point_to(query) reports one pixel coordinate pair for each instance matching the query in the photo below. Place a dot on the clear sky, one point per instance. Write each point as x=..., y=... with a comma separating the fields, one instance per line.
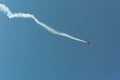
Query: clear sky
x=29, y=52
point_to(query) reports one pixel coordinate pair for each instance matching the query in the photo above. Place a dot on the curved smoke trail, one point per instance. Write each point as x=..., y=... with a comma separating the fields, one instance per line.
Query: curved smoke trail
x=9, y=13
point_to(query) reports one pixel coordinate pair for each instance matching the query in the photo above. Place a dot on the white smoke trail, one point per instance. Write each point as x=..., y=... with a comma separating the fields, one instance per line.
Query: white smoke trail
x=7, y=11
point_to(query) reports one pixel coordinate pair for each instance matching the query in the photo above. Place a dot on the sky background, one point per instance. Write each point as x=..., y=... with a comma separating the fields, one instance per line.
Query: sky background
x=29, y=52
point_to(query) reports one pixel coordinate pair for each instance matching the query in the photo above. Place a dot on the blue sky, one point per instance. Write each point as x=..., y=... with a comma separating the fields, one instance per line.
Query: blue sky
x=29, y=52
